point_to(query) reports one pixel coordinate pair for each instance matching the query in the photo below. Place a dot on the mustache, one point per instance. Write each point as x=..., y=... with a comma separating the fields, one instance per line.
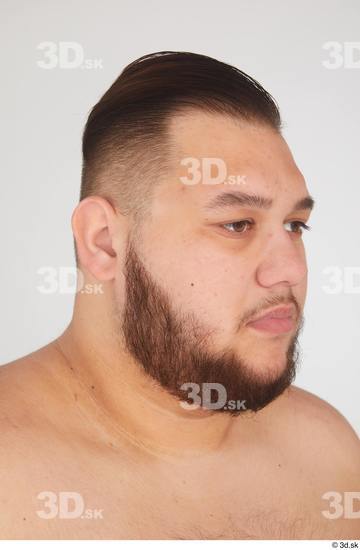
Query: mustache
x=269, y=302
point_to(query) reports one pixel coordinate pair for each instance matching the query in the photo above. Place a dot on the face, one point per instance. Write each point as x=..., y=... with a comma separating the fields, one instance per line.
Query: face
x=209, y=259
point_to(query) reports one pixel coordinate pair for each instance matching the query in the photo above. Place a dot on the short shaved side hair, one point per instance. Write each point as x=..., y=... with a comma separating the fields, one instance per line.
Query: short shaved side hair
x=126, y=142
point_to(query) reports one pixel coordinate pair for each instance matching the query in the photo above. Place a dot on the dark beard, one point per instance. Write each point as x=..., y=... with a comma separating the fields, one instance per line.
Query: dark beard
x=173, y=348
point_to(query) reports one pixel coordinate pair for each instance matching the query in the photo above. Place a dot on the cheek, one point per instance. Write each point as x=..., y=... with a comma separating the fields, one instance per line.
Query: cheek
x=120, y=290
x=213, y=288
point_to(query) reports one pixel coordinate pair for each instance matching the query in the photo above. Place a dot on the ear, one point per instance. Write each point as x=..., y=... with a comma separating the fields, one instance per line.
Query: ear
x=94, y=227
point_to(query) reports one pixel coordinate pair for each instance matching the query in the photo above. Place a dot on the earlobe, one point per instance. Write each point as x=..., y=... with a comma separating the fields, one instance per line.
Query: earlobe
x=93, y=224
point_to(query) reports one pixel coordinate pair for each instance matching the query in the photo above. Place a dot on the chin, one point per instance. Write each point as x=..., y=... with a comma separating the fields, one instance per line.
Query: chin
x=261, y=366
x=265, y=354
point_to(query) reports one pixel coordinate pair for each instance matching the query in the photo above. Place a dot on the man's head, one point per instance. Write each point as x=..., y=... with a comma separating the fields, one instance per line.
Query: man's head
x=127, y=145
x=192, y=208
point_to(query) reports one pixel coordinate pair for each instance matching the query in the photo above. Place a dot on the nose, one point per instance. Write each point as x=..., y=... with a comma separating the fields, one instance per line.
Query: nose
x=282, y=260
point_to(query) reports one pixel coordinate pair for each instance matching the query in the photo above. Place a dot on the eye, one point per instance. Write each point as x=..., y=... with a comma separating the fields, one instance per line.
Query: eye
x=299, y=226
x=244, y=226
x=238, y=226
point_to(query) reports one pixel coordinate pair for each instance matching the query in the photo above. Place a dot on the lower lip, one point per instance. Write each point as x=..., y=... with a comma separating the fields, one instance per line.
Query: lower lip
x=273, y=325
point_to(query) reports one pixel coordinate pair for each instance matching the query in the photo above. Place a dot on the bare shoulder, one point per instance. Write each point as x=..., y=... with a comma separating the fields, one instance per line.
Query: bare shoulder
x=33, y=399
x=23, y=382
x=316, y=413
x=23, y=418
x=35, y=439
x=319, y=457
x=322, y=429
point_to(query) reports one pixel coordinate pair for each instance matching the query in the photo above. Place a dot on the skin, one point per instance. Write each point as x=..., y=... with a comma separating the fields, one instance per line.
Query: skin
x=81, y=415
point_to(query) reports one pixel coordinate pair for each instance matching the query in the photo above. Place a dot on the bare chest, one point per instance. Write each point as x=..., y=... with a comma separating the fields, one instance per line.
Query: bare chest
x=176, y=505
x=89, y=495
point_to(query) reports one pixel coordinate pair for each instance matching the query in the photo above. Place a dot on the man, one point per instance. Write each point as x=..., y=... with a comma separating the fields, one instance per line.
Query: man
x=166, y=409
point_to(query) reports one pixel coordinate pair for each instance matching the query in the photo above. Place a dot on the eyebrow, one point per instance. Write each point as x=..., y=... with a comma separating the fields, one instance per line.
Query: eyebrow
x=239, y=198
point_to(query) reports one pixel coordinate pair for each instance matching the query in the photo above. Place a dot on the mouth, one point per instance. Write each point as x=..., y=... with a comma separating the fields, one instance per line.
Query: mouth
x=276, y=321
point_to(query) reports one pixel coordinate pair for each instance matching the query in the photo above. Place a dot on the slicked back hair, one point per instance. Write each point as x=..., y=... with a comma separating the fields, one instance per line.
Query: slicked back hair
x=126, y=143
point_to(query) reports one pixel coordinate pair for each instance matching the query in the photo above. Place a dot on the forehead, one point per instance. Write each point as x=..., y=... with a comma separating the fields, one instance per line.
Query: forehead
x=257, y=155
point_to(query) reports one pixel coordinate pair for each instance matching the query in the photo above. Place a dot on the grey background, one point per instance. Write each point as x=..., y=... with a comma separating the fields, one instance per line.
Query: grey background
x=43, y=111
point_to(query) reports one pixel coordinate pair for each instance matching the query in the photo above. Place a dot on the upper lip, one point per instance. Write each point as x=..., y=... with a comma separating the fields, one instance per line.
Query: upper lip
x=280, y=312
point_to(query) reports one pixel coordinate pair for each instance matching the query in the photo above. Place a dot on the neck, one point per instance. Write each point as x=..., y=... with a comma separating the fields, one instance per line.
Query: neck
x=129, y=404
